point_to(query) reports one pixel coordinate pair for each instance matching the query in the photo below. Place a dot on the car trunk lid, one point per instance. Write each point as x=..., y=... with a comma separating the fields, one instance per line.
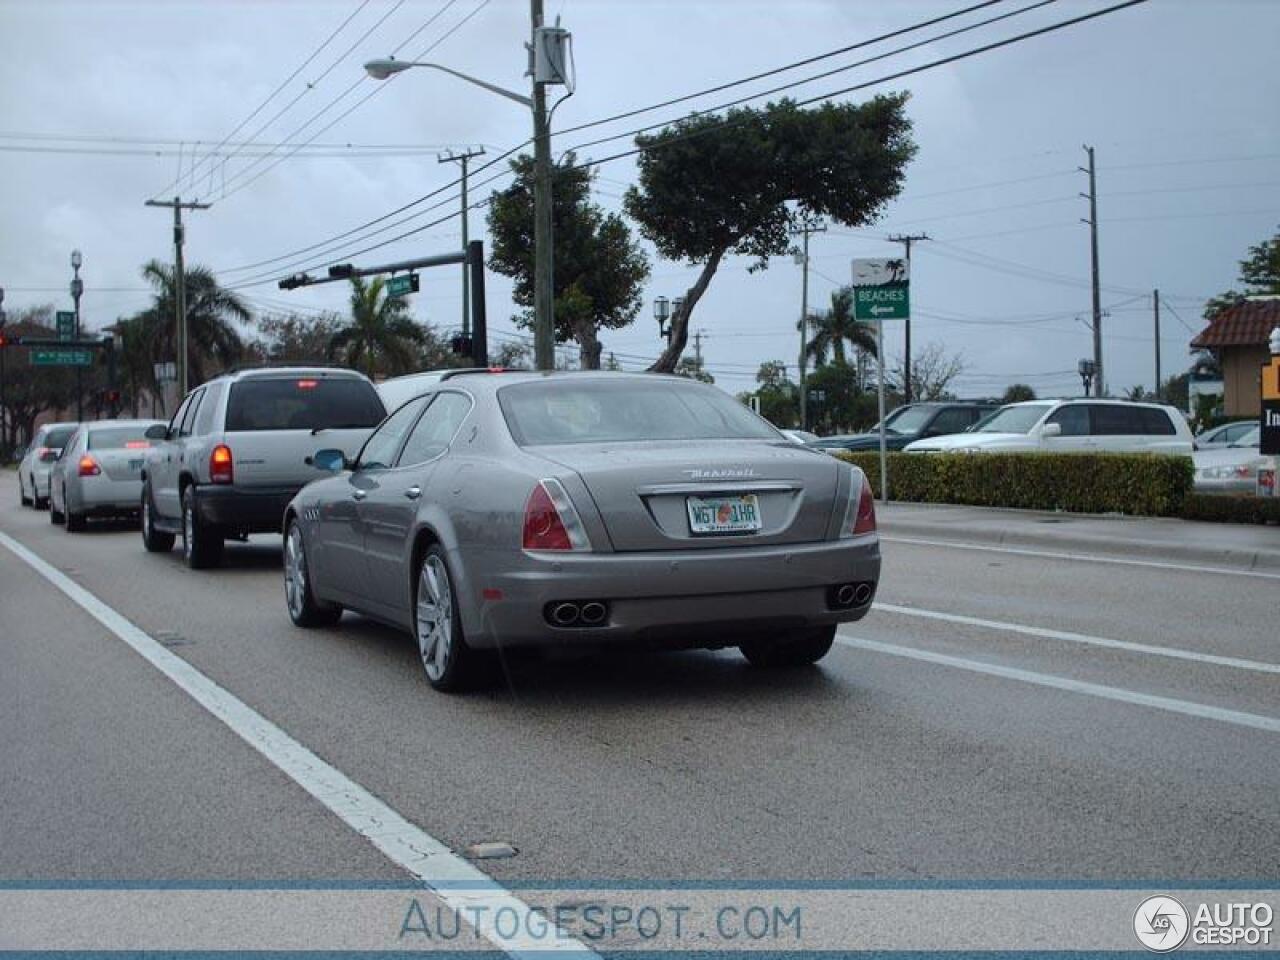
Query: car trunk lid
x=650, y=494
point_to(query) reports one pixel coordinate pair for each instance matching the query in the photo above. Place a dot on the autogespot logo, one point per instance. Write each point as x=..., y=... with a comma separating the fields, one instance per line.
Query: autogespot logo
x=1161, y=923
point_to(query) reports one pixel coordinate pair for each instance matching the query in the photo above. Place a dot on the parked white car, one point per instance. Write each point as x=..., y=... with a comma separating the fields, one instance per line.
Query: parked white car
x=1072, y=426
x=1225, y=434
x=1230, y=469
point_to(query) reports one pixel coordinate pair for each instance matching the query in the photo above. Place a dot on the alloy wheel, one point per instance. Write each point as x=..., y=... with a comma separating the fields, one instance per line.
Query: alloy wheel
x=434, y=621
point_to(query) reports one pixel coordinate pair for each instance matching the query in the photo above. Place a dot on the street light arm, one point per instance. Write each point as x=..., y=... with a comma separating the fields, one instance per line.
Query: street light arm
x=378, y=70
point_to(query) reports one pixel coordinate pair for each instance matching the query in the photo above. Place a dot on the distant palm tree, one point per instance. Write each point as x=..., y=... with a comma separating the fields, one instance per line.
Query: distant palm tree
x=382, y=337
x=833, y=328
x=212, y=312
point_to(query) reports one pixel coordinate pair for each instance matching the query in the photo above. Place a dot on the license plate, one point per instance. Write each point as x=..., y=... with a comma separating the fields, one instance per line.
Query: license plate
x=740, y=514
x=135, y=464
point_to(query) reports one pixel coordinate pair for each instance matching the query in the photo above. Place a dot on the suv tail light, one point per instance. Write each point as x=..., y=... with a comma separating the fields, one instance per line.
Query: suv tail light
x=220, y=468
x=551, y=521
x=860, y=514
x=88, y=467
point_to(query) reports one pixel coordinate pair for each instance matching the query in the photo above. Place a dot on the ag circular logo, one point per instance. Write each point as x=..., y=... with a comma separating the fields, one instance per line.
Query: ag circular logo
x=1161, y=923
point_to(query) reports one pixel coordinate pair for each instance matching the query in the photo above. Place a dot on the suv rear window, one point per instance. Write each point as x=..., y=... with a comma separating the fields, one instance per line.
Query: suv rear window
x=1156, y=422
x=303, y=403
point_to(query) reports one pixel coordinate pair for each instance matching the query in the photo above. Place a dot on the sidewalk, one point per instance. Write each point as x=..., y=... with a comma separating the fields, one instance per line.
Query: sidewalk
x=1238, y=546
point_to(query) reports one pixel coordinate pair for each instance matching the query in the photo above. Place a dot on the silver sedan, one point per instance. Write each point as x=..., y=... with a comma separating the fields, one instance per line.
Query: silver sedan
x=499, y=510
x=99, y=472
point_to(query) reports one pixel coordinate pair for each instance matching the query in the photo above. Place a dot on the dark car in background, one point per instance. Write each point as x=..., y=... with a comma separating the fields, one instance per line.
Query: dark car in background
x=915, y=421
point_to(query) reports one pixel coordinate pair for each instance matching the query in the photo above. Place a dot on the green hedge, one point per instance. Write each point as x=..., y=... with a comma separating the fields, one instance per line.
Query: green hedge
x=1139, y=484
x=1228, y=509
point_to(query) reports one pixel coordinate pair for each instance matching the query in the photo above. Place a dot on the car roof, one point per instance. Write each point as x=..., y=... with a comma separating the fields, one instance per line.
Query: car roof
x=131, y=422
x=291, y=370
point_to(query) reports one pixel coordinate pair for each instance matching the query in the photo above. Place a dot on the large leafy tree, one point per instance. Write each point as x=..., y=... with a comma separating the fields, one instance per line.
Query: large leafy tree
x=836, y=401
x=212, y=315
x=599, y=268
x=778, y=395
x=295, y=337
x=381, y=337
x=714, y=186
x=833, y=328
x=1259, y=272
x=30, y=391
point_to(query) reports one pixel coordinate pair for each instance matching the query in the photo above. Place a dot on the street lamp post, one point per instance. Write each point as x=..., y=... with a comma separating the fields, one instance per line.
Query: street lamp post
x=77, y=289
x=663, y=310
x=543, y=284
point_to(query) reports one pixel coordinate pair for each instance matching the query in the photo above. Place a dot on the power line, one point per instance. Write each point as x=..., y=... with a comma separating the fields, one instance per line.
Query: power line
x=274, y=93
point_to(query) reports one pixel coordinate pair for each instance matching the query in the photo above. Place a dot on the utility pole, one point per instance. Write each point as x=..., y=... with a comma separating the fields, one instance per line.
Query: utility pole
x=462, y=158
x=544, y=336
x=805, y=229
x=906, y=239
x=180, y=281
x=1155, y=300
x=1092, y=197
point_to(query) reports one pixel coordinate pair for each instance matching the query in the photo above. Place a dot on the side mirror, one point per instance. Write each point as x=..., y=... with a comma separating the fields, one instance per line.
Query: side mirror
x=1050, y=430
x=330, y=460
x=157, y=431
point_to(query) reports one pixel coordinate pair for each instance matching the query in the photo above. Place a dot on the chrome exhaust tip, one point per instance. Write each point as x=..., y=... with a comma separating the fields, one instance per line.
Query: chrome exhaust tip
x=845, y=595
x=594, y=613
x=862, y=594
x=565, y=614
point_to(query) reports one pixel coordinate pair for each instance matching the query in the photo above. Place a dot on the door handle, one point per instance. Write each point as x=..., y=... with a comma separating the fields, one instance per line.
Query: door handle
x=414, y=492
x=358, y=494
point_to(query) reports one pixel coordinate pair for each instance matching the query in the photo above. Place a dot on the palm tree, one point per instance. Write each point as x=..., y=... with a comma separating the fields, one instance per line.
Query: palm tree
x=836, y=326
x=213, y=342
x=381, y=337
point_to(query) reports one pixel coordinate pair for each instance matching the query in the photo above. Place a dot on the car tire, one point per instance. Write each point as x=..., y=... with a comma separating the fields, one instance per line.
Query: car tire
x=55, y=516
x=201, y=544
x=449, y=664
x=22, y=493
x=74, y=521
x=36, y=500
x=799, y=649
x=155, y=541
x=304, y=609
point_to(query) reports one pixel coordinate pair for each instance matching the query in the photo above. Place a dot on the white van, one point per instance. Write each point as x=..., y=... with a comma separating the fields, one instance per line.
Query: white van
x=1072, y=426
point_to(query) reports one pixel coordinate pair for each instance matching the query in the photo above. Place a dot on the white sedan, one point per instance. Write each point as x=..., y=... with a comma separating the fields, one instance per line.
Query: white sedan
x=1230, y=469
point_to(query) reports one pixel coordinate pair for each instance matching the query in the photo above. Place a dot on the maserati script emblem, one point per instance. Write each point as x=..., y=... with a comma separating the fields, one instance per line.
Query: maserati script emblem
x=723, y=473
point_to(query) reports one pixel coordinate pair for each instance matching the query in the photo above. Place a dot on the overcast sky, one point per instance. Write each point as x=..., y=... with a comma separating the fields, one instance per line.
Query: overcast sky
x=1179, y=97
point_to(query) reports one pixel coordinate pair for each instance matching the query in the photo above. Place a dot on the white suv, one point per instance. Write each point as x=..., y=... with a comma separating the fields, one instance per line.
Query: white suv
x=1071, y=426
x=239, y=448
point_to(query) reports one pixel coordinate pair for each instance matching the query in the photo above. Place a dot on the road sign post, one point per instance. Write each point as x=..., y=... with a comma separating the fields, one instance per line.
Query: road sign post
x=881, y=291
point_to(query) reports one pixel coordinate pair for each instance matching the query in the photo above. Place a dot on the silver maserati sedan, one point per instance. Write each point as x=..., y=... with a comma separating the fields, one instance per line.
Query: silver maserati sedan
x=506, y=509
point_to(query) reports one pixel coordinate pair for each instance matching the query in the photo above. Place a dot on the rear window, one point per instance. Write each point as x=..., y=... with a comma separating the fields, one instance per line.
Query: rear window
x=1156, y=422
x=58, y=437
x=118, y=438
x=303, y=403
x=600, y=411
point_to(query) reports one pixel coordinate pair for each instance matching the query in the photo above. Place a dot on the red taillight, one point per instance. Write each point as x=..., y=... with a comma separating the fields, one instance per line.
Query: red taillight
x=866, y=522
x=308, y=384
x=543, y=528
x=88, y=467
x=220, y=469
x=137, y=445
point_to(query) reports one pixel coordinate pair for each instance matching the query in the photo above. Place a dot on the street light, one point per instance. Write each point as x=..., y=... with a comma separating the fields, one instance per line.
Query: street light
x=547, y=61
x=77, y=288
x=662, y=311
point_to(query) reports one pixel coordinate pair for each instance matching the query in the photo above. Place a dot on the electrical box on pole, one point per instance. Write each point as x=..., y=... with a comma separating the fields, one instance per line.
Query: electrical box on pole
x=553, y=56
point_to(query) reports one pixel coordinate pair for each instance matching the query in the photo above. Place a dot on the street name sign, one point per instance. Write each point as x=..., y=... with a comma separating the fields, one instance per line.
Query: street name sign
x=61, y=358
x=401, y=285
x=881, y=289
x=66, y=321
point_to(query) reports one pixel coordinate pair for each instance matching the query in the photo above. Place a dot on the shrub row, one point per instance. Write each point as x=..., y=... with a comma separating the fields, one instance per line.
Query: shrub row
x=1225, y=509
x=1137, y=484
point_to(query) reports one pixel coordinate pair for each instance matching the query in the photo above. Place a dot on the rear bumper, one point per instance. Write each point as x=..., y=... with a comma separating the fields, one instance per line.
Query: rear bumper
x=255, y=510
x=671, y=598
x=104, y=495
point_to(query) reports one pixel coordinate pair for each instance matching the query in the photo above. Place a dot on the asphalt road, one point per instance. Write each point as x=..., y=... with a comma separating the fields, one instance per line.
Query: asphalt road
x=1003, y=716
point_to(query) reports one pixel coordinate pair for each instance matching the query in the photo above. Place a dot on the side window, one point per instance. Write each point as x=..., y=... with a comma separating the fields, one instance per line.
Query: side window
x=1155, y=423
x=189, y=417
x=951, y=420
x=1074, y=420
x=380, y=449
x=208, y=409
x=1236, y=433
x=432, y=434
x=180, y=413
x=1112, y=419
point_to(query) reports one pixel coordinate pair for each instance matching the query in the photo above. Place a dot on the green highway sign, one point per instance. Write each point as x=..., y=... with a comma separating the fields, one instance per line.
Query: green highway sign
x=61, y=358
x=881, y=289
x=401, y=285
x=66, y=321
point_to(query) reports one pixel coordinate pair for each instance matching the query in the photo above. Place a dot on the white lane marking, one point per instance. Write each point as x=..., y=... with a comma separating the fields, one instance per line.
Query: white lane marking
x=1083, y=557
x=1176, y=653
x=455, y=881
x=1185, y=707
